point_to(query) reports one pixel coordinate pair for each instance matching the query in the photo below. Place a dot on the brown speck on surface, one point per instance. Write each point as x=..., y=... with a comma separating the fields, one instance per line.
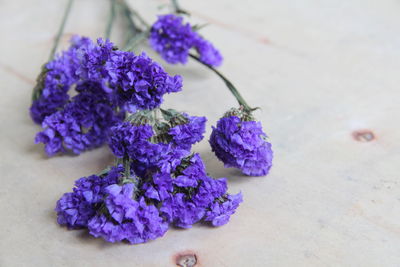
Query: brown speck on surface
x=186, y=259
x=363, y=135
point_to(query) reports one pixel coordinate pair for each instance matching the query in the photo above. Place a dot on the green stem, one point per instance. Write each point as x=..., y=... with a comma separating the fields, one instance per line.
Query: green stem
x=131, y=12
x=177, y=8
x=138, y=34
x=61, y=29
x=127, y=168
x=228, y=83
x=110, y=19
x=175, y=5
x=136, y=39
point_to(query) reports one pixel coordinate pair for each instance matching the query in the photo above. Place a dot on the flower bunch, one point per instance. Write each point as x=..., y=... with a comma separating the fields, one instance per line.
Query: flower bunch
x=107, y=81
x=157, y=181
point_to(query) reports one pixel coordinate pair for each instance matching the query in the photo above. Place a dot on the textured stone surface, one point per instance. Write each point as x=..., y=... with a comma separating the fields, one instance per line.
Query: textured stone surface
x=326, y=75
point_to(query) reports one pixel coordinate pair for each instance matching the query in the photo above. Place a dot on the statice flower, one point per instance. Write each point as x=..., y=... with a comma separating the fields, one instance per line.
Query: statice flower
x=220, y=211
x=135, y=142
x=117, y=206
x=189, y=132
x=208, y=53
x=159, y=146
x=194, y=194
x=75, y=209
x=82, y=124
x=136, y=81
x=56, y=78
x=242, y=144
x=127, y=219
x=173, y=40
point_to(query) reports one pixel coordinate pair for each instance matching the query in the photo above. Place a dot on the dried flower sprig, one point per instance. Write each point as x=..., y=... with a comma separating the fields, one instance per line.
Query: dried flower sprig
x=156, y=180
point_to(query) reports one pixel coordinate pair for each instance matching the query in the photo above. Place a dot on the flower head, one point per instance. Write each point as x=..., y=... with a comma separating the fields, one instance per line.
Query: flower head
x=220, y=211
x=241, y=144
x=140, y=82
x=127, y=218
x=56, y=78
x=82, y=124
x=107, y=81
x=208, y=53
x=173, y=40
x=76, y=208
x=193, y=193
x=156, y=145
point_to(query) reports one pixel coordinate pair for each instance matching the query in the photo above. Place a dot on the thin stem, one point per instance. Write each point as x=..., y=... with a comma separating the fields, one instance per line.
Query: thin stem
x=61, y=29
x=135, y=40
x=110, y=19
x=134, y=12
x=175, y=5
x=127, y=168
x=177, y=8
x=228, y=83
x=138, y=34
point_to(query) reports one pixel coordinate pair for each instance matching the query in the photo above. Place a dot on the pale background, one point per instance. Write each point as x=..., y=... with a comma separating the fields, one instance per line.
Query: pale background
x=320, y=71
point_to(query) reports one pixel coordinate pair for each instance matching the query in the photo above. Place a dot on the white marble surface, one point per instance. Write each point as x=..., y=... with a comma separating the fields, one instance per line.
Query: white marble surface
x=320, y=70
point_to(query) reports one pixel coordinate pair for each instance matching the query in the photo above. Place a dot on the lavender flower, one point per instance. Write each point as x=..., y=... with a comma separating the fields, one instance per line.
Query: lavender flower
x=173, y=39
x=241, y=144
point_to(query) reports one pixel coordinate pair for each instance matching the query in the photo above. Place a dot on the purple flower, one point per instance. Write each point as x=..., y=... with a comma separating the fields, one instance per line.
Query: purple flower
x=173, y=39
x=186, y=134
x=241, y=144
x=132, y=220
x=159, y=147
x=136, y=82
x=140, y=208
x=82, y=124
x=56, y=79
x=193, y=193
x=73, y=211
x=76, y=208
x=181, y=211
x=220, y=211
x=208, y=53
x=139, y=81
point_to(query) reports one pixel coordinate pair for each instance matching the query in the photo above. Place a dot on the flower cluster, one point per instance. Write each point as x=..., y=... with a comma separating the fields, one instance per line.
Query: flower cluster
x=82, y=124
x=157, y=181
x=239, y=142
x=173, y=39
x=121, y=205
x=108, y=81
x=155, y=144
x=56, y=78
